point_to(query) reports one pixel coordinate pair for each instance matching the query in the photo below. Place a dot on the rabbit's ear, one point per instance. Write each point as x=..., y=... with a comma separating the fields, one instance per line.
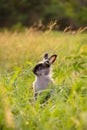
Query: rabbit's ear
x=46, y=56
x=52, y=59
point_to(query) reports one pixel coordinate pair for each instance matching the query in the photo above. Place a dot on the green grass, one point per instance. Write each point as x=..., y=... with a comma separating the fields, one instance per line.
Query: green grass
x=67, y=109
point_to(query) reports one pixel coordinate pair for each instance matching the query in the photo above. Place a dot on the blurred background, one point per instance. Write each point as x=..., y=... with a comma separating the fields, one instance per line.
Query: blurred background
x=26, y=13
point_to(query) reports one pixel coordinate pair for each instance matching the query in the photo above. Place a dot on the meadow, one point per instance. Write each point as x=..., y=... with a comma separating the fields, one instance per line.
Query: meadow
x=19, y=52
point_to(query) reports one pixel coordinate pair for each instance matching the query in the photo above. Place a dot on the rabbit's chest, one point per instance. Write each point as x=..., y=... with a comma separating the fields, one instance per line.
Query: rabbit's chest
x=41, y=84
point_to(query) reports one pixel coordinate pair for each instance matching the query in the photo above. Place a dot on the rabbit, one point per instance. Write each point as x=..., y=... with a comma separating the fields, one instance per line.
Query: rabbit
x=42, y=72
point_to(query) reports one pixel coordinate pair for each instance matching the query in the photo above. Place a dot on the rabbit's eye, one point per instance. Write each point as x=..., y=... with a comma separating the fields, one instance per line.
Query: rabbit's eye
x=47, y=64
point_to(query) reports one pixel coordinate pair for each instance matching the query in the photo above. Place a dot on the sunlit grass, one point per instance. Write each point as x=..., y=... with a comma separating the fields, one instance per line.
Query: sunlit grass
x=16, y=48
x=7, y=114
x=67, y=109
